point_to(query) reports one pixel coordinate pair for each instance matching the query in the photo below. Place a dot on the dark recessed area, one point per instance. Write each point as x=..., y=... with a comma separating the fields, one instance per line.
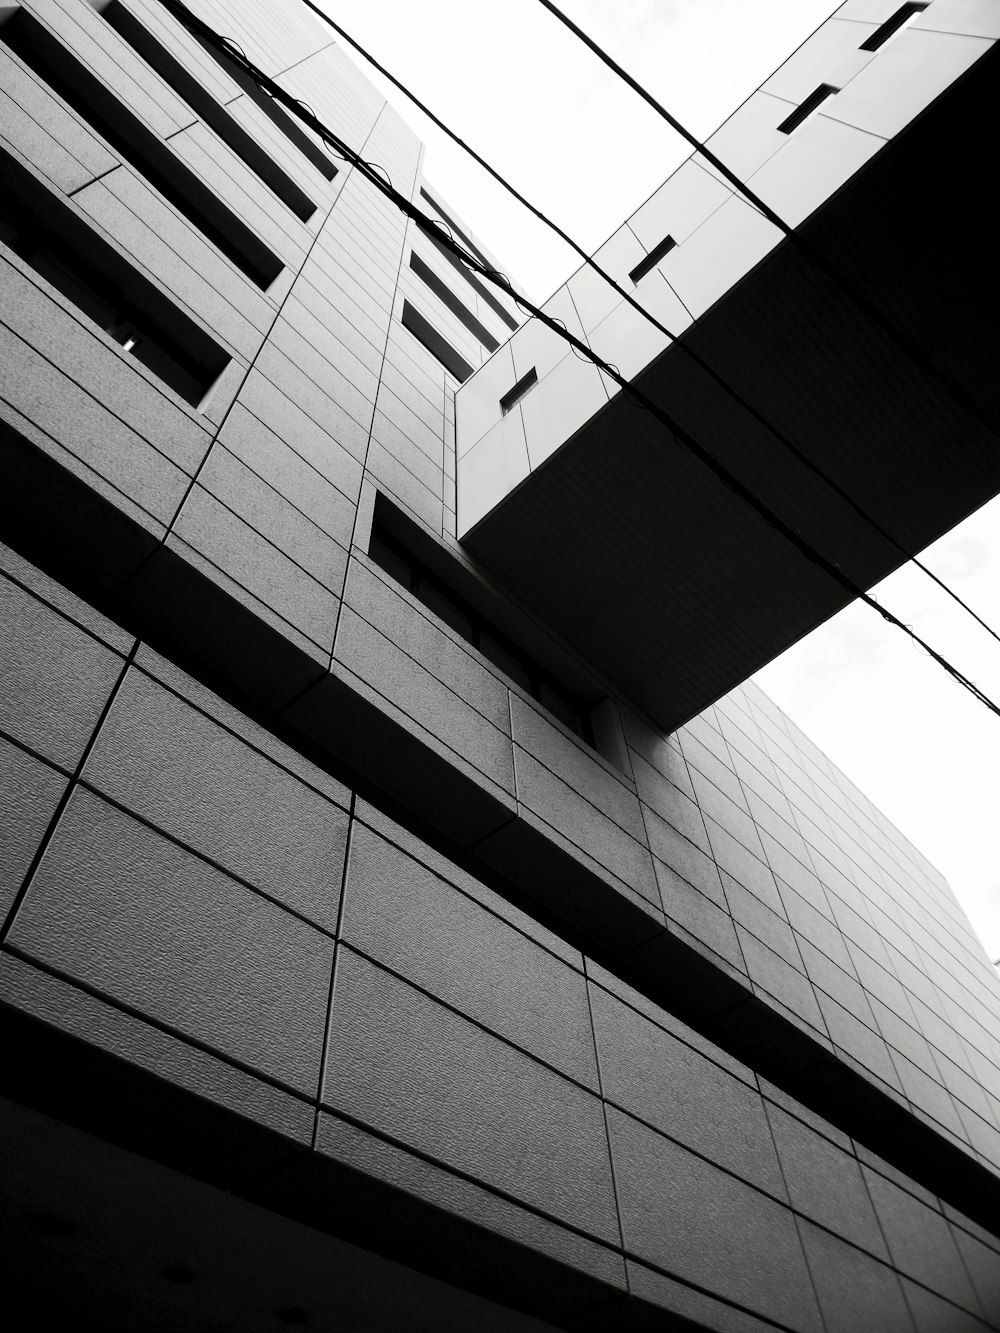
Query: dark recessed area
x=892, y=25
x=439, y=347
x=806, y=108
x=652, y=259
x=513, y=396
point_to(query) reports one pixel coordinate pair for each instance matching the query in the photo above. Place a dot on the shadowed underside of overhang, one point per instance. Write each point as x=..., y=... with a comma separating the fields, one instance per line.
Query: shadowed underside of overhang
x=675, y=589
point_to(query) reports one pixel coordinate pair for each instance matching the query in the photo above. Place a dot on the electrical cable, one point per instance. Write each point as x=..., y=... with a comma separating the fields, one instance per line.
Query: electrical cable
x=776, y=220
x=680, y=435
x=684, y=346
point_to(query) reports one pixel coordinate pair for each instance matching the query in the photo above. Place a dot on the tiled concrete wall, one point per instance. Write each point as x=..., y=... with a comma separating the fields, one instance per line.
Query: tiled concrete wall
x=190, y=893
x=210, y=888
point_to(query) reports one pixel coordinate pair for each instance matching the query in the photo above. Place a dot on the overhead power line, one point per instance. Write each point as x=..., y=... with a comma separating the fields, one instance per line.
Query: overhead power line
x=377, y=176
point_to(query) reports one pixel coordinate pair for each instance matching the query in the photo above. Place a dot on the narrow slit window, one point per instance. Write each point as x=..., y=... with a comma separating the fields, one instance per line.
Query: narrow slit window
x=98, y=281
x=310, y=151
x=425, y=332
x=904, y=15
x=806, y=109
x=134, y=143
x=448, y=298
x=513, y=396
x=652, y=259
x=473, y=281
x=203, y=104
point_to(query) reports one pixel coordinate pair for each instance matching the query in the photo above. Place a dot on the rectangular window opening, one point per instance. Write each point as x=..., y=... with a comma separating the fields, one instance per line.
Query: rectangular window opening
x=153, y=159
x=513, y=396
x=806, y=109
x=652, y=259
x=405, y=568
x=276, y=114
x=904, y=15
x=442, y=350
x=448, y=298
x=94, y=277
x=203, y=104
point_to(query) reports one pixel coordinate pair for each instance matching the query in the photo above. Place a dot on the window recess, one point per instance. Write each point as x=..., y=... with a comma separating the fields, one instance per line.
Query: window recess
x=448, y=298
x=473, y=281
x=513, y=396
x=470, y=245
x=135, y=144
x=904, y=15
x=94, y=277
x=389, y=553
x=442, y=350
x=270, y=108
x=652, y=259
x=806, y=108
x=203, y=104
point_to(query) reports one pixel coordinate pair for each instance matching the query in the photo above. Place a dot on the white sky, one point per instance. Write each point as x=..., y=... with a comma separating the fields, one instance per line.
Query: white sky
x=529, y=97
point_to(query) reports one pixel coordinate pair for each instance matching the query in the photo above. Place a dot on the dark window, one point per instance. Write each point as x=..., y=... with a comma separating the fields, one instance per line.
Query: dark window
x=513, y=396
x=471, y=625
x=806, y=109
x=653, y=258
x=892, y=25
x=203, y=104
x=100, y=282
x=448, y=298
x=439, y=347
x=270, y=108
x=133, y=142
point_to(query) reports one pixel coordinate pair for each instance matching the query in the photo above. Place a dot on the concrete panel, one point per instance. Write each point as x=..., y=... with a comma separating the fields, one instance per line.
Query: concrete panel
x=274, y=462
x=29, y=794
x=577, y=764
x=651, y=1074
x=404, y=621
x=119, y=908
x=218, y=795
x=854, y=1290
x=332, y=448
x=54, y=677
x=686, y=1216
x=416, y=923
x=825, y=1183
x=584, y=825
x=920, y=1241
x=38, y=128
x=277, y=520
x=260, y=567
x=179, y=1064
x=429, y=701
x=490, y=469
x=97, y=440
x=432, y=1080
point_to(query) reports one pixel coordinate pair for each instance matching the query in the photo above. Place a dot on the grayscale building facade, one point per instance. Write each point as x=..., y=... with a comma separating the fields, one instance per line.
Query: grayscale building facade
x=387, y=941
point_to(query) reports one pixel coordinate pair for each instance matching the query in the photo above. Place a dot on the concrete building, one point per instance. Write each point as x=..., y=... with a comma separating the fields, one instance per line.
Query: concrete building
x=412, y=916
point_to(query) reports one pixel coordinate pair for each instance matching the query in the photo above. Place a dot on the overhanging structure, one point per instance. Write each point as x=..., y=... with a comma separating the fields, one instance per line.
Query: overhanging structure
x=665, y=580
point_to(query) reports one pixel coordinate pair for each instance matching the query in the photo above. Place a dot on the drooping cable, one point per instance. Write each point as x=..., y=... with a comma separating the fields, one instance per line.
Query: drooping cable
x=592, y=263
x=635, y=396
